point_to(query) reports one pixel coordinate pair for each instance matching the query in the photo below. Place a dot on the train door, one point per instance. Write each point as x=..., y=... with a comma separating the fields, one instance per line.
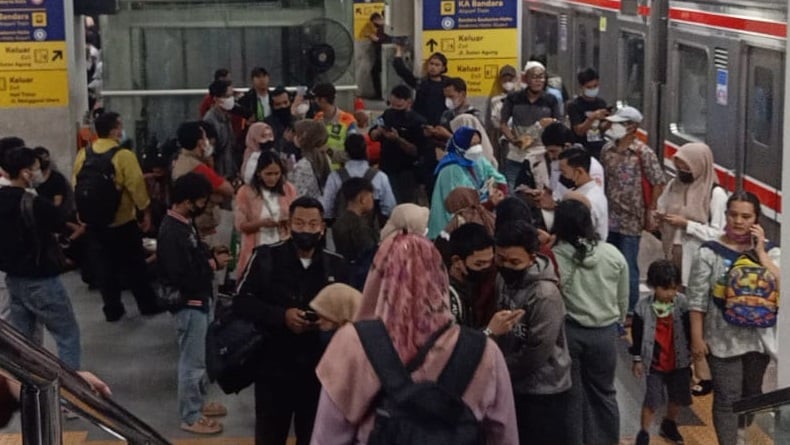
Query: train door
x=545, y=39
x=763, y=131
x=631, y=83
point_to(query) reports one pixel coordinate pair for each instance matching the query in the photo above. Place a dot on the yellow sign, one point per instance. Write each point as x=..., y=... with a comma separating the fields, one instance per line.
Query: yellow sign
x=39, y=18
x=362, y=13
x=475, y=55
x=33, y=74
x=448, y=7
x=33, y=88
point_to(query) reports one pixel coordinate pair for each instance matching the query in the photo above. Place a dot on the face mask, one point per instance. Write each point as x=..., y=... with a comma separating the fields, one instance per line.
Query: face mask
x=476, y=276
x=474, y=153
x=268, y=145
x=567, y=182
x=208, y=150
x=450, y=104
x=283, y=115
x=745, y=238
x=511, y=276
x=44, y=165
x=197, y=210
x=509, y=86
x=227, y=103
x=36, y=179
x=591, y=92
x=306, y=240
x=302, y=109
x=616, y=132
x=662, y=309
x=685, y=177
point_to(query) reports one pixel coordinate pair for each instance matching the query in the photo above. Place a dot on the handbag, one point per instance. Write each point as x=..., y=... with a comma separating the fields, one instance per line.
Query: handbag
x=232, y=345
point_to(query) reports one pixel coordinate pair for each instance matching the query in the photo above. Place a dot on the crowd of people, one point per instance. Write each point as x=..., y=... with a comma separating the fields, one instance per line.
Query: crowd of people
x=524, y=265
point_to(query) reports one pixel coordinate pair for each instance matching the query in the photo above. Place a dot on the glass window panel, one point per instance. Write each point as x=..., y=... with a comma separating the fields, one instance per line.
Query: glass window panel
x=546, y=38
x=693, y=91
x=596, y=55
x=581, y=38
x=634, y=47
x=761, y=111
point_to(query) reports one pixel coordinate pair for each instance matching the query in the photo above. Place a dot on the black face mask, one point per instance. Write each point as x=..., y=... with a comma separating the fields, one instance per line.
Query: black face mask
x=283, y=115
x=268, y=145
x=685, y=177
x=306, y=240
x=568, y=183
x=476, y=276
x=511, y=276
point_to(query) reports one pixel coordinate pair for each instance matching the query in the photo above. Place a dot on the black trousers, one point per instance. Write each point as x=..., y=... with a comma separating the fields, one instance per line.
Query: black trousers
x=280, y=399
x=542, y=419
x=122, y=260
x=375, y=72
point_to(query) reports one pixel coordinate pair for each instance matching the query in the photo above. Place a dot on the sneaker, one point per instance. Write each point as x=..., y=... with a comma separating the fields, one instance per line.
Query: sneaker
x=669, y=431
x=702, y=388
x=643, y=438
x=203, y=426
x=214, y=409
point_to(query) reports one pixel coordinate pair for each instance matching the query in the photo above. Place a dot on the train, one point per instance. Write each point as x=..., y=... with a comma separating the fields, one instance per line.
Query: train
x=707, y=71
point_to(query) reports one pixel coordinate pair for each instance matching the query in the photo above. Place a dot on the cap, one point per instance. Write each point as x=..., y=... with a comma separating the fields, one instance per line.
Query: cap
x=626, y=114
x=533, y=64
x=507, y=70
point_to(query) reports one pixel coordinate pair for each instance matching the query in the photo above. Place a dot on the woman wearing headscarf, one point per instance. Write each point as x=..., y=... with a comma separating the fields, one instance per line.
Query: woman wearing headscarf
x=691, y=209
x=468, y=120
x=336, y=305
x=260, y=136
x=407, y=290
x=311, y=172
x=409, y=218
x=462, y=166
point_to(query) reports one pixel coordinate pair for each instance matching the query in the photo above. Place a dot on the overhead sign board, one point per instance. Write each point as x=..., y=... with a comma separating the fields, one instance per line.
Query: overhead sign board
x=33, y=70
x=478, y=37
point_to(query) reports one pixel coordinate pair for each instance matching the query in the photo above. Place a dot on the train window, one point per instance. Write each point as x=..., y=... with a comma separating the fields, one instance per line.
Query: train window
x=582, y=46
x=596, y=40
x=634, y=75
x=761, y=111
x=692, y=91
x=545, y=39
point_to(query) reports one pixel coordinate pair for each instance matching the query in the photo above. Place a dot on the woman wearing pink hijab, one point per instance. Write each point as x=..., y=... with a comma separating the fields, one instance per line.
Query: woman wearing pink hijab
x=260, y=136
x=407, y=289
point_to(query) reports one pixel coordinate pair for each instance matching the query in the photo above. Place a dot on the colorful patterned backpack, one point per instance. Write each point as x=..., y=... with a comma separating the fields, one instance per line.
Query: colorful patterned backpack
x=747, y=293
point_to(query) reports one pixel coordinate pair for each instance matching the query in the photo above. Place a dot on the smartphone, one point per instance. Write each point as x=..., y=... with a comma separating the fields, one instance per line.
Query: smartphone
x=301, y=90
x=311, y=316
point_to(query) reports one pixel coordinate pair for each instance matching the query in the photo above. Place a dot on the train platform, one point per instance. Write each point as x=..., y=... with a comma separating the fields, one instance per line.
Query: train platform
x=137, y=357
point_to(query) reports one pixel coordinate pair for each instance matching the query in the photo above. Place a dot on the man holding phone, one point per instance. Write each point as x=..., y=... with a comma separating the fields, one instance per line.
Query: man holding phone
x=274, y=293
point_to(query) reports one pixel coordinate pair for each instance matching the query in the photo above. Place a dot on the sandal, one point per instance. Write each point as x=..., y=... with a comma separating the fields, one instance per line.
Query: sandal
x=214, y=409
x=203, y=426
x=702, y=388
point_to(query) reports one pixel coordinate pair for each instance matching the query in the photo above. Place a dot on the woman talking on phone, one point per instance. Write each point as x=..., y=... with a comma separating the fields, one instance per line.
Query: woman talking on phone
x=732, y=323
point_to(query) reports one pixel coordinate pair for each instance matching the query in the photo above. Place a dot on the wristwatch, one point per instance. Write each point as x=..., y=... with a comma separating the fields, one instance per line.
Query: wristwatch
x=488, y=332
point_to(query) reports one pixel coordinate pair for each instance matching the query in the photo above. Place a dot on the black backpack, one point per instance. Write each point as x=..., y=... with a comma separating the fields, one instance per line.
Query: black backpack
x=409, y=412
x=95, y=193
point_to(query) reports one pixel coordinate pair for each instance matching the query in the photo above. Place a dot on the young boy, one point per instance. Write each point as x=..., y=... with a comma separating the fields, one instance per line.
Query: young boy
x=353, y=232
x=661, y=350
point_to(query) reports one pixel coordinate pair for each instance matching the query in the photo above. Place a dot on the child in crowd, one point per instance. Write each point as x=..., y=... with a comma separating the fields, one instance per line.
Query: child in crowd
x=661, y=350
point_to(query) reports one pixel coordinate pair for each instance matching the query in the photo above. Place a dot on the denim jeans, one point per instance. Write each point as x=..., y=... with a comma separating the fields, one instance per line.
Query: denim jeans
x=192, y=326
x=45, y=300
x=629, y=246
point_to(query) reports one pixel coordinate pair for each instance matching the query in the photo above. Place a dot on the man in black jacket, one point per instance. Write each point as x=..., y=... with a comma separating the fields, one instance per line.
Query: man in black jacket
x=186, y=265
x=279, y=283
x=257, y=102
x=31, y=258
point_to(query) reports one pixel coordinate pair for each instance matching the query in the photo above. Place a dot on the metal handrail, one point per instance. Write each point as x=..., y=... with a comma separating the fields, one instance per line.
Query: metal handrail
x=762, y=402
x=47, y=384
x=193, y=92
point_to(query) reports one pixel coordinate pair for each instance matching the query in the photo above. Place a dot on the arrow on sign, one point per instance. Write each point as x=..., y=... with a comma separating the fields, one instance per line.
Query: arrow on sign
x=58, y=54
x=431, y=44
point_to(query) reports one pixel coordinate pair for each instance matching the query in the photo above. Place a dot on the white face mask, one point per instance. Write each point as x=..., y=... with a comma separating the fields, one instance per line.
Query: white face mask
x=302, y=109
x=616, y=132
x=208, y=150
x=509, y=86
x=592, y=92
x=37, y=178
x=450, y=104
x=227, y=103
x=474, y=153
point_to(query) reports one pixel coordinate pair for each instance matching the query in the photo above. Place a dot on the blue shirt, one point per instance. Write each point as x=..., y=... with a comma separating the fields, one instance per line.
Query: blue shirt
x=382, y=190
